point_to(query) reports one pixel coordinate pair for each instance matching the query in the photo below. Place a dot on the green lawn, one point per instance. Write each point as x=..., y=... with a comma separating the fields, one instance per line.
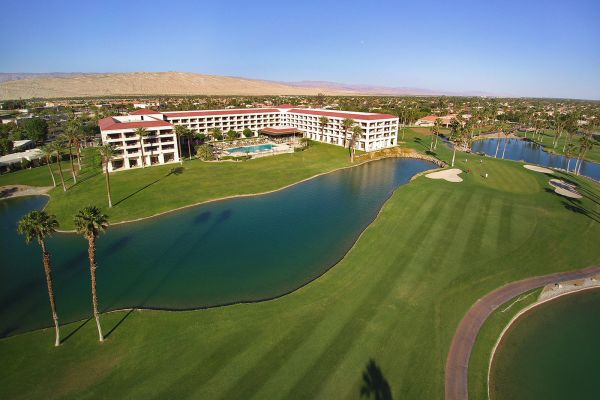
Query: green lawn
x=396, y=298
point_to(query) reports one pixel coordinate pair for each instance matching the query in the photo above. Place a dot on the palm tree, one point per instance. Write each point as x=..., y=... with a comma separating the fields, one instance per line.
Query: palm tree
x=107, y=152
x=69, y=139
x=74, y=135
x=455, y=136
x=189, y=134
x=179, y=132
x=59, y=149
x=356, y=133
x=37, y=225
x=499, y=128
x=216, y=133
x=585, y=144
x=323, y=122
x=507, y=132
x=48, y=152
x=347, y=124
x=436, y=130
x=89, y=222
x=141, y=133
x=569, y=153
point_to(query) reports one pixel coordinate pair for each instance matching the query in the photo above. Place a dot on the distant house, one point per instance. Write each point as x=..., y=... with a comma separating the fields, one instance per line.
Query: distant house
x=21, y=145
x=17, y=158
x=430, y=120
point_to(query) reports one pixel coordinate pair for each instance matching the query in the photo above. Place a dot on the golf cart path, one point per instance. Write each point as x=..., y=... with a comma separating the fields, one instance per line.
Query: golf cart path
x=457, y=363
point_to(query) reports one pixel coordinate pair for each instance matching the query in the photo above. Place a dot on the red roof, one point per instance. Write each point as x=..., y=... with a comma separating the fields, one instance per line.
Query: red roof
x=110, y=123
x=431, y=118
x=144, y=111
x=342, y=114
x=203, y=113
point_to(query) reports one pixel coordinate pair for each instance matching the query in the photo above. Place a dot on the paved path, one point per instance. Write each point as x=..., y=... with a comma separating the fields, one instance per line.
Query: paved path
x=457, y=362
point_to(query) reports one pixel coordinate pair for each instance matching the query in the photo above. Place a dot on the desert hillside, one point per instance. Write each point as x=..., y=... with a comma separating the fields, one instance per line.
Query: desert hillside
x=148, y=83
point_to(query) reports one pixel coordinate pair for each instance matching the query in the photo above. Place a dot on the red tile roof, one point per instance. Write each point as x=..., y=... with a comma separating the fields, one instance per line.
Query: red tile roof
x=144, y=111
x=203, y=113
x=342, y=114
x=110, y=123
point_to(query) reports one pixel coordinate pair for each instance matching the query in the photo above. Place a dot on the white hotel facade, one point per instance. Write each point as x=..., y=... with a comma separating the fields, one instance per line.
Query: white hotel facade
x=160, y=145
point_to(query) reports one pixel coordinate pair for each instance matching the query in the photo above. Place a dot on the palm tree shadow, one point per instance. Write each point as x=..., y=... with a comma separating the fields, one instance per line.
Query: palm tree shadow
x=119, y=323
x=74, y=331
x=137, y=191
x=374, y=383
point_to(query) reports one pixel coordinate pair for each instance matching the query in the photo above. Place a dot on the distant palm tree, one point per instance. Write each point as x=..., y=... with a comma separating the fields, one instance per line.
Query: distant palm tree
x=179, y=132
x=347, y=124
x=585, y=144
x=37, y=225
x=48, y=152
x=107, y=152
x=436, y=130
x=499, y=127
x=569, y=153
x=74, y=133
x=456, y=136
x=506, y=132
x=59, y=149
x=68, y=139
x=141, y=133
x=323, y=122
x=189, y=134
x=89, y=222
x=356, y=133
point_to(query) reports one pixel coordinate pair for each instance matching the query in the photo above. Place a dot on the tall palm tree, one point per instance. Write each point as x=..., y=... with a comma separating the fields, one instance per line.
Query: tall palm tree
x=179, y=132
x=356, y=133
x=48, y=152
x=37, y=225
x=189, y=134
x=107, y=152
x=436, y=130
x=585, y=144
x=89, y=222
x=74, y=135
x=499, y=128
x=507, y=132
x=68, y=139
x=323, y=122
x=59, y=149
x=455, y=136
x=141, y=133
x=347, y=124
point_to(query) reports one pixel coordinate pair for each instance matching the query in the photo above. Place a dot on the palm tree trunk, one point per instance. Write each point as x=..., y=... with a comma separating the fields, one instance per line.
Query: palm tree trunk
x=142, y=149
x=436, y=139
x=108, y=186
x=189, y=141
x=50, y=169
x=79, y=155
x=72, y=166
x=568, y=163
x=179, y=146
x=92, y=256
x=504, y=149
x=497, y=147
x=62, y=179
x=48, y=271
x=453, y=155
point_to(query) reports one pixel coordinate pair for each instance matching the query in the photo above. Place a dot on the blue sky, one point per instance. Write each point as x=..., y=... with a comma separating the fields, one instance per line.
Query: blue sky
x=524, y=48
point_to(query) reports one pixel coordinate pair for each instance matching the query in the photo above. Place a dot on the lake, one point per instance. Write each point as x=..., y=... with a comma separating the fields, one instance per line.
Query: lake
x=236, y=250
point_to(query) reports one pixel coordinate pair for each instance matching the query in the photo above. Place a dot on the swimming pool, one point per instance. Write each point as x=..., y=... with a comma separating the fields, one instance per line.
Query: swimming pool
x=252, y=149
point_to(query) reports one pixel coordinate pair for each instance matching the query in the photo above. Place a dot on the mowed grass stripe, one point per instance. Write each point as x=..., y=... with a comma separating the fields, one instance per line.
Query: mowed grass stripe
x=388, y=317
x=321, y=335
x=355, y=324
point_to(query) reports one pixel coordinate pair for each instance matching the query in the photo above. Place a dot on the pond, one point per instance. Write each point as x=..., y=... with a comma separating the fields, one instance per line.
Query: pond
x=522, y=150
x=236, y=250
x=551, y=352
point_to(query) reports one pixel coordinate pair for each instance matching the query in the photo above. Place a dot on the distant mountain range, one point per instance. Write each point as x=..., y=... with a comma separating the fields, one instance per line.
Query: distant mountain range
x=74, y=84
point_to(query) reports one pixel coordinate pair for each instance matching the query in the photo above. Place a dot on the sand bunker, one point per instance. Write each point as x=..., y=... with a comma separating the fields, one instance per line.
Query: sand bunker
x=564, y=189
x=538, y=169
x=450, y=175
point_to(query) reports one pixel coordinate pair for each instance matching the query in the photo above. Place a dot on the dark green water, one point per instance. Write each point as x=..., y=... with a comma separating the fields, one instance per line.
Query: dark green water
x=230, y=251
x=552, y=352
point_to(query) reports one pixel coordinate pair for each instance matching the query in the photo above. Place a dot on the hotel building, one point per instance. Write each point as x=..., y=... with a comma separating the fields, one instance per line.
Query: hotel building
x=160, y=146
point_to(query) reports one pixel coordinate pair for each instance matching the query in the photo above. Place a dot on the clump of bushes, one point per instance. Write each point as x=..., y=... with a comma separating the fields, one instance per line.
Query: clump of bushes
x=205, y=152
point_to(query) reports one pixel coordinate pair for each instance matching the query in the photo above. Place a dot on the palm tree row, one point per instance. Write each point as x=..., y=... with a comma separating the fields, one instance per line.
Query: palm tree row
x=89, y=222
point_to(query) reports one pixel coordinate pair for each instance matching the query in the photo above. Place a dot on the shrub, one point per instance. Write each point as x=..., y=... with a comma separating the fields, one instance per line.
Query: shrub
x=248, y=132
x=205, y=152
x=231, y=134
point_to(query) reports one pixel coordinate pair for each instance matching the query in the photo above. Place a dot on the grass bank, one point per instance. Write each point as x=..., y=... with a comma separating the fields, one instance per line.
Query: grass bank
x=393, y=302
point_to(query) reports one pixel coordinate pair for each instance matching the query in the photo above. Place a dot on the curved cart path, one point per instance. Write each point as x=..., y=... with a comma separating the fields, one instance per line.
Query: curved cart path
x=457, y=362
